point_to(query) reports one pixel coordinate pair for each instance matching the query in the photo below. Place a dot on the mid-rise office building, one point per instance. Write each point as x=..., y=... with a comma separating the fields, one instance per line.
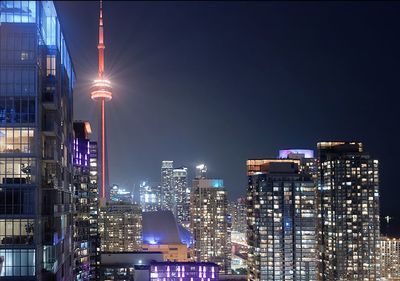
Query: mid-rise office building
x=167, y=186
x=36, y=144
x=281, y=221
x=390, y=258
x=182, y=196
x=209, y=223
x=120, y=227
x=150, y=196
x=349, y=212
x=238, y=211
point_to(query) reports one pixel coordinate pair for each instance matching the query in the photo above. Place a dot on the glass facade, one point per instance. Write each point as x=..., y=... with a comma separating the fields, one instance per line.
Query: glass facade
x=36, y=82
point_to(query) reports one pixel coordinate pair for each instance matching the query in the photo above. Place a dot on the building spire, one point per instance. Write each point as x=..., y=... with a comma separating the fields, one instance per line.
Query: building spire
x=101, y=45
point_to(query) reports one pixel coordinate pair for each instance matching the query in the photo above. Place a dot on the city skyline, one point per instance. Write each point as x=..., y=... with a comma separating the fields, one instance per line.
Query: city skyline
x=209, y=62
x=298, y=93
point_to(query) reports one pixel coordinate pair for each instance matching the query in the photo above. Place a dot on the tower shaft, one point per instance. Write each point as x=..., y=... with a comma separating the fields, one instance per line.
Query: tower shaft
x=101, y=90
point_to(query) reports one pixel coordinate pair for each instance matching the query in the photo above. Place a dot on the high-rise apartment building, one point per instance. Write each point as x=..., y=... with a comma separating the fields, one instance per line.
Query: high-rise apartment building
x=167, y=186
x=182, y=196
x=36, y=144
x=209, y=223
x=238, y=211
x=120, y=227
x=84, y=201
x=349, y=212
x=390, y=258
x=94, y=245
x=150, y=196
x=281, y=221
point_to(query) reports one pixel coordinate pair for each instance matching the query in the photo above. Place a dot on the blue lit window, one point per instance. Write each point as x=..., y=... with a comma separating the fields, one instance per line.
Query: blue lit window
x=18, y=11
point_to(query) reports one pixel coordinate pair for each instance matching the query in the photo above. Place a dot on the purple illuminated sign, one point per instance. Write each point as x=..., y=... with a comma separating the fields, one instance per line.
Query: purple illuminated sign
x=308, y=153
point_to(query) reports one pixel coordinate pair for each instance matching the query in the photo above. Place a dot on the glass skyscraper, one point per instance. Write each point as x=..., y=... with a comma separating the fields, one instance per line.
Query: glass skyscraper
x=36, y=143
x=349, y=212
x=281, y=221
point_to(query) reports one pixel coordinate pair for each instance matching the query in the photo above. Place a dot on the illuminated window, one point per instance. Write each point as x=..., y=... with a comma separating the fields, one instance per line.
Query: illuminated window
x=51, y=65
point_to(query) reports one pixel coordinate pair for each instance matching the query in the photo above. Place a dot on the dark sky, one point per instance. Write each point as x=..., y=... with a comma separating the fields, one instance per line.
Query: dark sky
x=221, y=82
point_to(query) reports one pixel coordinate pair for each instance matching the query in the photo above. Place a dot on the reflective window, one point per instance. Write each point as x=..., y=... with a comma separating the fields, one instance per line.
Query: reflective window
x=17, y=262
x=18, y=11
x=16, y=110
x=17, y=201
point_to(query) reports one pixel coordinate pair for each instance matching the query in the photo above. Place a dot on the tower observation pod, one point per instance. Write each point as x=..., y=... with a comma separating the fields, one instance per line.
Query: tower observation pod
x=101, y=91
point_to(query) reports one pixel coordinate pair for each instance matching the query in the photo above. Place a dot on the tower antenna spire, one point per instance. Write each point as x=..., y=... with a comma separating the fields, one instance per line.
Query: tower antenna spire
x=101, y=45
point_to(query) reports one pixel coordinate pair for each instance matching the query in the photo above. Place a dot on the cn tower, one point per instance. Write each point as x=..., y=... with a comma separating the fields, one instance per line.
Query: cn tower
x=101, y=91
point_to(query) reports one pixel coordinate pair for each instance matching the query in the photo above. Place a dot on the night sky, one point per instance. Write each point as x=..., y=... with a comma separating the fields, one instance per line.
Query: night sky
x=221, y=82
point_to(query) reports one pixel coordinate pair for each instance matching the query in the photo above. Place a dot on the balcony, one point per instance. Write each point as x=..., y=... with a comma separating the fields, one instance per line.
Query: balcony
x=51, y=128
x=50, y=100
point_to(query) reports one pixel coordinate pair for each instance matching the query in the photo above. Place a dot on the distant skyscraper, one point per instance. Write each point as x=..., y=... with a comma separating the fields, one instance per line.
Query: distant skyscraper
x=182, y=196
x=150, y=196
x=281, y=219
x=201, y=171
x=238, y=211
x=120, y=227
x=209, y=223
x=118, y=194
x=349, y=212
x=390, y=258
x=36, y=144
x=167, y=186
